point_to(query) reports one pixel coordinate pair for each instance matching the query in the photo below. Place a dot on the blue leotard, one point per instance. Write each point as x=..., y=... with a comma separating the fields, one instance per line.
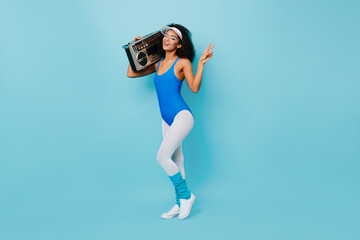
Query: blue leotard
x=168, y=88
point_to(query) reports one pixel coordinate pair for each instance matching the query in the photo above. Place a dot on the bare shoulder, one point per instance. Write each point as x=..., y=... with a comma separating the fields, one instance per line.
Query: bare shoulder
x=184, y=62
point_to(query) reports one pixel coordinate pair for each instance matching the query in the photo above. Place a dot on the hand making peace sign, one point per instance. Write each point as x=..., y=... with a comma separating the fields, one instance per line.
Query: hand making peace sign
x=207, y=54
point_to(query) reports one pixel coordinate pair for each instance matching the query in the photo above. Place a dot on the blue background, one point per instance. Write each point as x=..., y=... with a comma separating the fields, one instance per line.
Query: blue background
x=274, y=152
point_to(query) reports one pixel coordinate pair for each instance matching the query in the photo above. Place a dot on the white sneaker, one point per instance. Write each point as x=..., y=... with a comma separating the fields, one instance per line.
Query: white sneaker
x=185, y=206
x=173, y=212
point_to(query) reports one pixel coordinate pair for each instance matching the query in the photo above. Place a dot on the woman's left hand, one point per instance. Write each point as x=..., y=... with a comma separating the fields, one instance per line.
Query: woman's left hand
x=207, y=54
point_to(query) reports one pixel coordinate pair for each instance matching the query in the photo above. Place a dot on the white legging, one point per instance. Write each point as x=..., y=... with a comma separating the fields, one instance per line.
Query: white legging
x=171, y=145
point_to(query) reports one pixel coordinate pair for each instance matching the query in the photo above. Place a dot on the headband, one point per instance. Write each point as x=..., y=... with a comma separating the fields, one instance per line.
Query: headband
x=164, y=29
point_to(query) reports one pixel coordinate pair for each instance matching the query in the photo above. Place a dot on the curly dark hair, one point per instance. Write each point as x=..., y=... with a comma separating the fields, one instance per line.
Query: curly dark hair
x=187, y=49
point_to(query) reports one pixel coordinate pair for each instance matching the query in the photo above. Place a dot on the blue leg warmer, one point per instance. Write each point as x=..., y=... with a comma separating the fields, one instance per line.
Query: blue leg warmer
x=180, y=186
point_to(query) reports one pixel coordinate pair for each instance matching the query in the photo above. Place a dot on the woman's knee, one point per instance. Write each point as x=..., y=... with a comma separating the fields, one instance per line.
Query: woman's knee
x=178, y=157
x=162, y=157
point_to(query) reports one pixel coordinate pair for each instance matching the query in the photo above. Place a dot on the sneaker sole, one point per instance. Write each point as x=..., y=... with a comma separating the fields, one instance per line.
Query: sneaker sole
x=168, y=216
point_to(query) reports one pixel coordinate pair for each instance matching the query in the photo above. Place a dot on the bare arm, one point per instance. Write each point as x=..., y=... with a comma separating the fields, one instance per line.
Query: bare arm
x=195, y=82
x=146, y=71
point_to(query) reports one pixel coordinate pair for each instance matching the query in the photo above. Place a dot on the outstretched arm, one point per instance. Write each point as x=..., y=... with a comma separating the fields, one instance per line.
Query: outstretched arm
x=195, y=82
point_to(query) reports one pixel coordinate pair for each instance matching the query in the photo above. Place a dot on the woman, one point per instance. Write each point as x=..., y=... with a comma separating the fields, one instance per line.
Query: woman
x=177, y=118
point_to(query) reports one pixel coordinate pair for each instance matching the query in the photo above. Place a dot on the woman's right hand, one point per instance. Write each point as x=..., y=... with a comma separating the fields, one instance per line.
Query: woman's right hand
x=137, y=38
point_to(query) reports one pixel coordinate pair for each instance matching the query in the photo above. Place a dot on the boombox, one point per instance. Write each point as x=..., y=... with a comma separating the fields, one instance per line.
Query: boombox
x=145, y=51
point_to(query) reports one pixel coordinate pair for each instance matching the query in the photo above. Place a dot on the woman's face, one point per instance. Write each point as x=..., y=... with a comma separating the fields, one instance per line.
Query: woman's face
x=171, y=41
